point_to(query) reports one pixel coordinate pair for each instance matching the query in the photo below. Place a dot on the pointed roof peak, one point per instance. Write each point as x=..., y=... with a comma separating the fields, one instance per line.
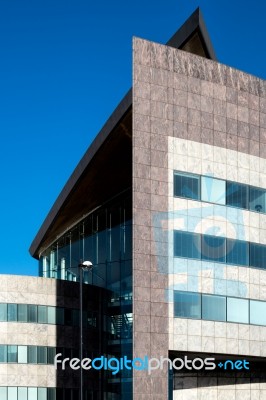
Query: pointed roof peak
x=193, y=37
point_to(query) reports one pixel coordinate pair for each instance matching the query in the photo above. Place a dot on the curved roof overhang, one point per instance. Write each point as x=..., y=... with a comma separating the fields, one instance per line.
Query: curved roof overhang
x=92, y=181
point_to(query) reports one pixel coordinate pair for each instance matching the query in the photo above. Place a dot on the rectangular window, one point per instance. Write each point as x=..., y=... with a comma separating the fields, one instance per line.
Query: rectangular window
x=3, y=312
x=51, y=315
x=213, y=307
x=60, y=316
x=257, y=199
x=22, y=313
x=3, y=354
x=42, y=314
x=12, y=354
x=42, y=355
x=237, y=310
x=51, y=394
x=32, y=354
x=12, y=393
x=213, y=248
x=22, y=355
x=12, y=312
x=51, y=352
x=187, y=245
x=187, y=304
x=212, y=190
x=257, y=255
x=42, y=394
x=187, y=185
x=258, y=312
x=32, y=394
x=22, y=393
x=3, y=393
x=237, y=252
x=32, y=313
x=237, y=195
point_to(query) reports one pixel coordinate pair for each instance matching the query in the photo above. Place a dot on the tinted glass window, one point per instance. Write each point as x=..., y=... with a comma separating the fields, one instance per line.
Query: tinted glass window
x=257, y=312
x=42, y=394
x=236, y=195
x=50, y=355
x=22, y=354
x=32, y=313
x=60, y=316
x=42, y=355
x=186, y=185
x=32, y=354
x=3, y=312
x=22, y=312
x=3, y=354
x=51, y=315
x=187, y=245
x=213, y=307
x=12, y=354
x=257, y=199
x=3, y=393
x=257, y=255
x=212, y=190
x=32, y=394
x=22, y=393
x=187, y=304
x=12, y=312
x=237, y=310
x=213, y=248
x=42, y=314
x=237, y=252
x=12, y=393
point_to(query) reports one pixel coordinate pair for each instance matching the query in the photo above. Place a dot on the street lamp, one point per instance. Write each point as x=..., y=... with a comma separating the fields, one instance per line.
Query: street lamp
x=83, y=266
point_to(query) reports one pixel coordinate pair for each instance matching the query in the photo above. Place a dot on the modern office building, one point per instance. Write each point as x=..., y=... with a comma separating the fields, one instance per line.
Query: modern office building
x=169, y=205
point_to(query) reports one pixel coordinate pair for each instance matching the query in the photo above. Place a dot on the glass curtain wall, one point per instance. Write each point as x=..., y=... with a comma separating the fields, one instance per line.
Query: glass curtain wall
x=105, y=238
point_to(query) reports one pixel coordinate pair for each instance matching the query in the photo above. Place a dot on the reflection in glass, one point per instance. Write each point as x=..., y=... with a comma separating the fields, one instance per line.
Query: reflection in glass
x=258, y=312
x=187, y=304
x=258, y=255
x=257, y=199
x=42, y=314
x=12, y=354
x=186, y=185
x=187, y=245
x=212, y=190
x=237, y=310
x=237, y=252
x=51, y=315
x=237, y=195
x=213, y=307
x=213, y=248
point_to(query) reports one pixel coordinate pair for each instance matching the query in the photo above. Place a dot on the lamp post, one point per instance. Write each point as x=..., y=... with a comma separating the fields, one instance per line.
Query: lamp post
x=83, y=266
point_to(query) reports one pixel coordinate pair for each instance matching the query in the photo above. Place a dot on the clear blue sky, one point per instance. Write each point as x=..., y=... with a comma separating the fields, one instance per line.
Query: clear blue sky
x=64, y=66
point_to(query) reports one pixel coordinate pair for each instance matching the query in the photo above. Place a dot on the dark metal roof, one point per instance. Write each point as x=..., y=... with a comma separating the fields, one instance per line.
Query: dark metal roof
x=115, y=136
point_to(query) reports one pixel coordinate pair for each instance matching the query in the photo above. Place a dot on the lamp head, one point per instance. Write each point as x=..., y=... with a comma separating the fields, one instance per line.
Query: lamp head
x=86, y=265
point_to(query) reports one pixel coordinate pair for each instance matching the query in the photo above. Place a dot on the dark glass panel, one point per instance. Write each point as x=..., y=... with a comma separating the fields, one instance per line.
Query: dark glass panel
x=32, y=313
x=257, y=199
x=187, y=304
x=237, y=252
x=187, y=245
x=12, y=312
x=237, y=195
x=186, y=185
x=257, y=255
x=213, y=248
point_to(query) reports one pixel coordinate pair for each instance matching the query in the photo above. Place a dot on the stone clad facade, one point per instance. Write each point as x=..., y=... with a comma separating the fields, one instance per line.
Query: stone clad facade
x=198, y=116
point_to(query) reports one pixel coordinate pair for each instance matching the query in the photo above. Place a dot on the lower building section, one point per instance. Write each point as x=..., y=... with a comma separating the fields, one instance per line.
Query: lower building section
x=217, y=377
